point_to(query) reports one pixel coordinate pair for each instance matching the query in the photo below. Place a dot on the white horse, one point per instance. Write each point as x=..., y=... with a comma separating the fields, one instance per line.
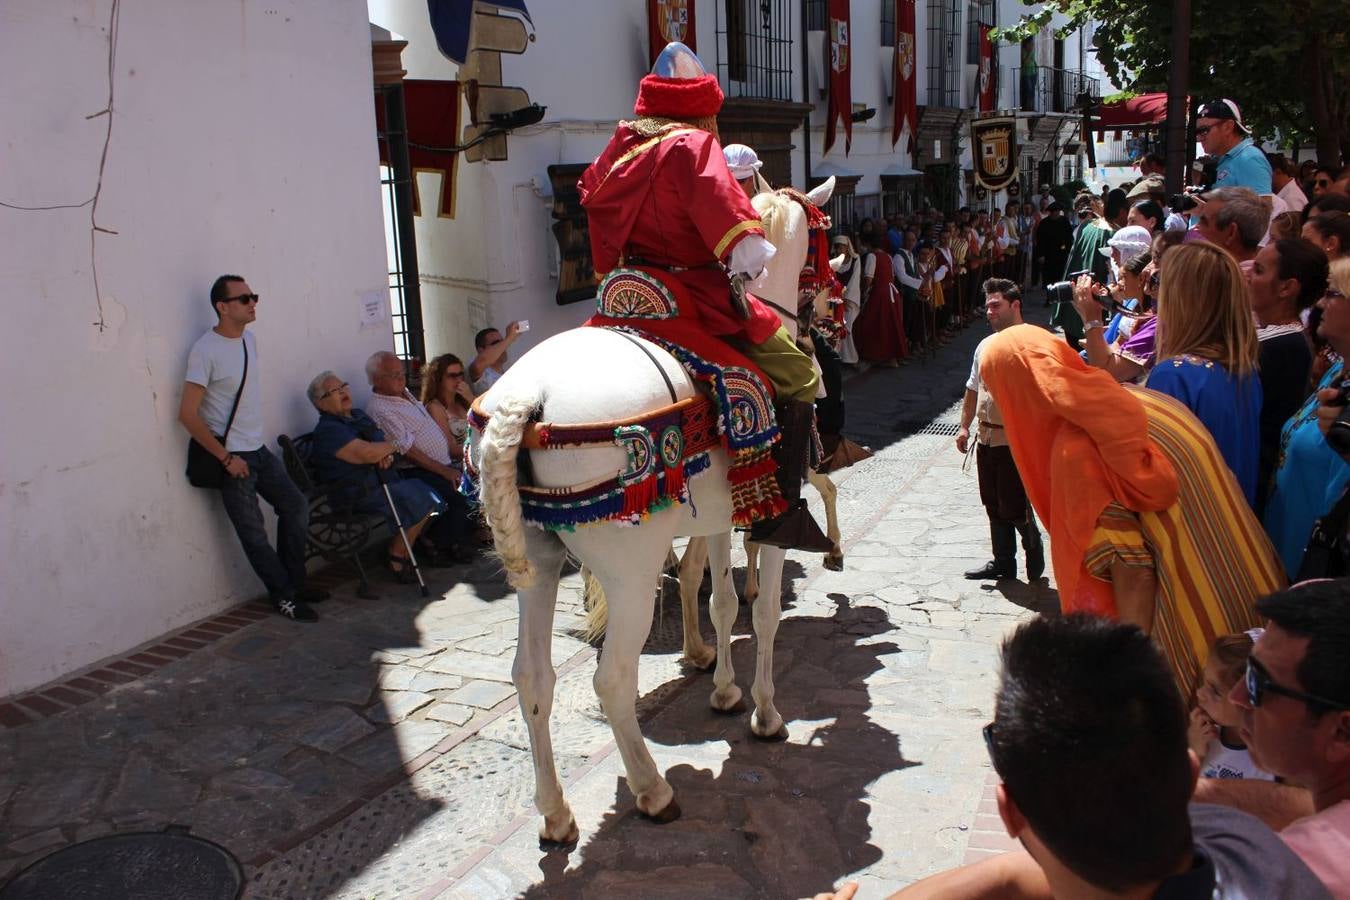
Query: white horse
x=590, y=375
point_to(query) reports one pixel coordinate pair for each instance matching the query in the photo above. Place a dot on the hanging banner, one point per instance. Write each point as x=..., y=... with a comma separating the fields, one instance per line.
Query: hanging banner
x=906, y=74
x=993, y=146
x=433, y=109
x=986, y=82
x=841, y=98
x=669, y=20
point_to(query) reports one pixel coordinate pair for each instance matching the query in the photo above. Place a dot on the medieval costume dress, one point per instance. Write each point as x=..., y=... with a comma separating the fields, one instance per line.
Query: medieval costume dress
x=879, y=332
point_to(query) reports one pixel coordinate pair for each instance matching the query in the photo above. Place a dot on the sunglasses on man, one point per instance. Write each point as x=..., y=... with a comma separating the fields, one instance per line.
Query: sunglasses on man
x=242, y=298
x=1259, y=683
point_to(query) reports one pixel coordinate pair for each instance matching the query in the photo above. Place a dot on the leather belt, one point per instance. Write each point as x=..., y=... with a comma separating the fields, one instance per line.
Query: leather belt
x=984, y=424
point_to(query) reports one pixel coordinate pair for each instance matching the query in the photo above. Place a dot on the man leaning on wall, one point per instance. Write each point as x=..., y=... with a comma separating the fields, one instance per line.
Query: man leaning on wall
x=223, y=365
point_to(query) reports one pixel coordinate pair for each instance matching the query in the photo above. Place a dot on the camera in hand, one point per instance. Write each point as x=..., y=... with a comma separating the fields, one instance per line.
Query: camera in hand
x=1182, y=203
x=1062, y=291
x=1338, y=435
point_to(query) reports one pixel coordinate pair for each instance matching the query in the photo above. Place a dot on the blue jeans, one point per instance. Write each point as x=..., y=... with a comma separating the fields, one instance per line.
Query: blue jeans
x=282, y=570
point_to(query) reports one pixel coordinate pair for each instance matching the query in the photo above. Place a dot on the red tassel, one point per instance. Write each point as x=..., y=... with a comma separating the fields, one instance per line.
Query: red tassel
x=639, y=498
x=675, y=481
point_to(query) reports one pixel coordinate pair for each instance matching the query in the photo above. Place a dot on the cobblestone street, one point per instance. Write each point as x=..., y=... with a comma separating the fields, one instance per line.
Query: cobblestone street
x=380, y=753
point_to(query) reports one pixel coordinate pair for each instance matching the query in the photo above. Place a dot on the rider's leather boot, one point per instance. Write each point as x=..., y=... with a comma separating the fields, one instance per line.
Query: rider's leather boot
x=795, y=529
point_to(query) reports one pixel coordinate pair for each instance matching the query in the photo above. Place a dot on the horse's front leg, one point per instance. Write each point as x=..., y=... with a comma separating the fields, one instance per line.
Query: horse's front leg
x=751, y=569
x=534, y=679
x=766, y=722
x=726, y=696
x=829, y=494
x=696, y=652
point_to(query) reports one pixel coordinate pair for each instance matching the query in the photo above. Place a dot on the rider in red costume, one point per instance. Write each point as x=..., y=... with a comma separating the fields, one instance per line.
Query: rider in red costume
x=661, y=199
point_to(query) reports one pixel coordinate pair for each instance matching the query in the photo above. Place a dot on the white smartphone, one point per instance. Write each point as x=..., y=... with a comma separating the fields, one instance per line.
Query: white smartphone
x=523, y=325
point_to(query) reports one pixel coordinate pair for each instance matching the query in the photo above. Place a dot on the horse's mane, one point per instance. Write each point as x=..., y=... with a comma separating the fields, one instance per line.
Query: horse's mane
x=774, y=211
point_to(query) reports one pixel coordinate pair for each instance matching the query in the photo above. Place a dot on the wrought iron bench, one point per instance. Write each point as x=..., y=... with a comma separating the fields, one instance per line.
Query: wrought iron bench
x=336, y=532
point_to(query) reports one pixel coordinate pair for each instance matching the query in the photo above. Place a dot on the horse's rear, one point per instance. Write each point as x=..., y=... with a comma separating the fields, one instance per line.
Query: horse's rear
x=587, y=376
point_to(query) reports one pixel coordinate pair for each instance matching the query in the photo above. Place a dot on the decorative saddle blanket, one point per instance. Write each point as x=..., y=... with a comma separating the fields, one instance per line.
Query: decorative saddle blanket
x=666, y=447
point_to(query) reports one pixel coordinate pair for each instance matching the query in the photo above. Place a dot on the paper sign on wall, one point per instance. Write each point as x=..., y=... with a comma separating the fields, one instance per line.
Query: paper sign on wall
x=374, y=308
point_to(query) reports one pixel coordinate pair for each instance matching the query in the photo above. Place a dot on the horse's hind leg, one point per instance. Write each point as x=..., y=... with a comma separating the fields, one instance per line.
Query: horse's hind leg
x=829, y=494
x=628, y=561
x=726, y=696
x=766, y=722
x=696, y=653
x=534, y=678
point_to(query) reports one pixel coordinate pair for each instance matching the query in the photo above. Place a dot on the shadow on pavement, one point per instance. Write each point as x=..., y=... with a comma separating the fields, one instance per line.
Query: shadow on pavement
x=779, y=819
x=1037, y=596
x=255, y=741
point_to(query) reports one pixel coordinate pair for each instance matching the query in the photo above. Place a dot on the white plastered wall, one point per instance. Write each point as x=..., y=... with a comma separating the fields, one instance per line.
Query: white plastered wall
x=243, y=141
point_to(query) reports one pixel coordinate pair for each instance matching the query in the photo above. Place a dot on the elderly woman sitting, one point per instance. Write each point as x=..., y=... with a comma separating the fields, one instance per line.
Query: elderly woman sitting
x=347, y=448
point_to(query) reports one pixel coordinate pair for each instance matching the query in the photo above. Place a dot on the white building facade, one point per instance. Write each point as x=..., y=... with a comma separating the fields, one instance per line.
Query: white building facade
x=242, y=141
x=497, y=259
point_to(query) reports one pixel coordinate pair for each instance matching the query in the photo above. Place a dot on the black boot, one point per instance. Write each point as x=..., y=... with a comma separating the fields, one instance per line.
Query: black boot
x=1033, y=547
x=1003, y=535
x=794, y=529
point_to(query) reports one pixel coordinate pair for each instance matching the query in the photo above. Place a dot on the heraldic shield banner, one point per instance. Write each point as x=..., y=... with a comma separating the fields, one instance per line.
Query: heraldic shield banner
x=993, y=145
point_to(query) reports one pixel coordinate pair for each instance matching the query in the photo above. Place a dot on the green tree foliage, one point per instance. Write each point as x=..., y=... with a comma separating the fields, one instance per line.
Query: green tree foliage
x=1285, y=62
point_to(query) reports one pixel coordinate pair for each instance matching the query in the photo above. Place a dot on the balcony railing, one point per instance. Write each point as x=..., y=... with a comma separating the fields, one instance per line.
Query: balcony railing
x=1045, y=89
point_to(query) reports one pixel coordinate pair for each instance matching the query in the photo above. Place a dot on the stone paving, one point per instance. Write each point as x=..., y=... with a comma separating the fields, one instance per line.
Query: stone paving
x=379, y=753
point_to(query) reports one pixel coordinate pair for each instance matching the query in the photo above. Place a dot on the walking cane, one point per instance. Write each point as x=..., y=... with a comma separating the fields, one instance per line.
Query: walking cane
x=398, y=523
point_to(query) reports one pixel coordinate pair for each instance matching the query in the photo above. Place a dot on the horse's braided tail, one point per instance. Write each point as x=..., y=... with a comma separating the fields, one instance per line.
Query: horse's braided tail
x=500, y=493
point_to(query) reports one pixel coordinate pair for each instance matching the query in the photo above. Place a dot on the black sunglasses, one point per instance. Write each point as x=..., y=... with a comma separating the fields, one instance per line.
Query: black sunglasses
x=242, y=298
x=988, y=732
x=1259, y=682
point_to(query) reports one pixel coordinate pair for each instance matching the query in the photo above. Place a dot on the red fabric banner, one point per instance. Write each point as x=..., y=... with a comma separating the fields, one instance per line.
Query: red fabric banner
x=841, y=61
x=987, y=79
x=906, y=74
x=669, y=20
x=433, y=120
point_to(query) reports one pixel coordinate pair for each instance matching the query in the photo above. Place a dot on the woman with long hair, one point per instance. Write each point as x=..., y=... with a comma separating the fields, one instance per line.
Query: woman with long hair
x=1331, y=232
x=447, y=396
x=1207, y=352
x=1309, y=475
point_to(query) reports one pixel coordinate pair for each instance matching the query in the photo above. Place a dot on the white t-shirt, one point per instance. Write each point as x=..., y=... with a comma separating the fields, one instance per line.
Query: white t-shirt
x=1222, y=761
x=217, y=364
x=1293, y=196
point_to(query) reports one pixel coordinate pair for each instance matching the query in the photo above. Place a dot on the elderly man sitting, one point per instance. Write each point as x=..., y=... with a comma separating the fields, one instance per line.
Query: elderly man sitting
x=347, y=446
x=424, y=448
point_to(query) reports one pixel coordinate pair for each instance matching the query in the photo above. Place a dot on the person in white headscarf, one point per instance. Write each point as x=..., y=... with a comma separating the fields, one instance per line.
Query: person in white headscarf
x=848, y=269
x=745, y=164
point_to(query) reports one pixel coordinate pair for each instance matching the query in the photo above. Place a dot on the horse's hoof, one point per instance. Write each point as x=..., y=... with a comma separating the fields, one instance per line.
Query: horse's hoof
x=731, y=703
x=705, y=661
x=834, y=561
x=565, y=839
x=665, y=816
x=776, y=738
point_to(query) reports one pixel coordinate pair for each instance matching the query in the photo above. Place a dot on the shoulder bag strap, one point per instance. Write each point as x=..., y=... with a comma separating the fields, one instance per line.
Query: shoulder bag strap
x=239, y=393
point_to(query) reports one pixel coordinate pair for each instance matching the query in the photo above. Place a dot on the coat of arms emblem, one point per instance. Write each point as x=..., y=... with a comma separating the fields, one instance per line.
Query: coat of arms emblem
x=839, y=44
x=994, y=146
x=674, y=18
x=904, y=52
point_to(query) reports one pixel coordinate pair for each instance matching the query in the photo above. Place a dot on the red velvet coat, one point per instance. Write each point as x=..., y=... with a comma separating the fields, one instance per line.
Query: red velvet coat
x=670, y=199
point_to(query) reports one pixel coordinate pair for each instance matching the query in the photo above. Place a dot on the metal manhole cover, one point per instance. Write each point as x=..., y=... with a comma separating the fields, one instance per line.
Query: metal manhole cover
x=144, y=866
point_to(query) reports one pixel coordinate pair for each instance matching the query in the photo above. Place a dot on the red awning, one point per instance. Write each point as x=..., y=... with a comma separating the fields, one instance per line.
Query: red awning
x=1143, y=111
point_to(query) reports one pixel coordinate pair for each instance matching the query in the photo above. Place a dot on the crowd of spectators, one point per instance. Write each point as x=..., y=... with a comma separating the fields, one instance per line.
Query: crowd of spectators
x=1186, y=444
x=400, y=458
